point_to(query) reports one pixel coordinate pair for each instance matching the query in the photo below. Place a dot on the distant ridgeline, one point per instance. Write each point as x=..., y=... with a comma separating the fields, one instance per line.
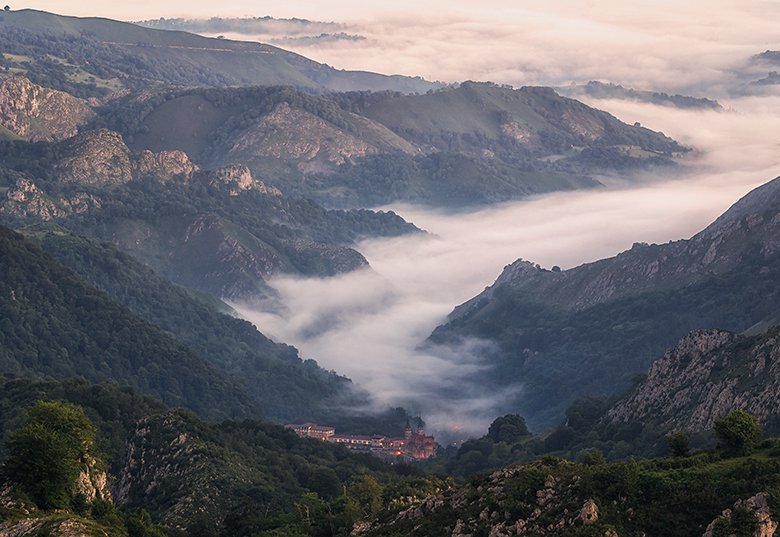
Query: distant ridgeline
x=413, y=445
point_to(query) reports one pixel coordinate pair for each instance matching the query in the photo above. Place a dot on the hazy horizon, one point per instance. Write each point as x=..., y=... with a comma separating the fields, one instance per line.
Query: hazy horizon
x=663, y=45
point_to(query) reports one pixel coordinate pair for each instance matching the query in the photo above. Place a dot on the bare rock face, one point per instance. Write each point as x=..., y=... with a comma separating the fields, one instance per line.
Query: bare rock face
x=758, y=506
x=27, y=200
x=57, y=526
x=40, y=114
x=707, y=375
x=589, y=514
x=96, y=158
x=92, y=481
x=162, y=454
x=164, y=165
x=294, y=134
x=101, y=158
x=236, y=179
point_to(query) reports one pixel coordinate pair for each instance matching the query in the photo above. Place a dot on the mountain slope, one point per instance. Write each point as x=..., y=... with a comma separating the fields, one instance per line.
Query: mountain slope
x=684, y=497
x=36, y=113
x=93, y=56
x=706, y=376
x=199, y=478
x=588, y=330
x=601, y=90
x=220, y=231
x=474, y=144
x=286, y=387
x=54, y=325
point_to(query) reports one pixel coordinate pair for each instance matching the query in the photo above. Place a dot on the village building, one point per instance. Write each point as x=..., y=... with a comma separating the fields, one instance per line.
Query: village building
x=312, y=430
x=414, y=445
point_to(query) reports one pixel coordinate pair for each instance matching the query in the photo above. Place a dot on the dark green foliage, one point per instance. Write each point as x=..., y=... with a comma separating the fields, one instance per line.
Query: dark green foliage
x=679, y=444
x=54, y=324
x=258, y=477
x=232, y=479
x=598, y=350
x=286, y=387
x=671, y=497
x=114, y=409
x=592, y=457
x=47, y=453
x=140, y=525
x=509, y=429
x=738, y=432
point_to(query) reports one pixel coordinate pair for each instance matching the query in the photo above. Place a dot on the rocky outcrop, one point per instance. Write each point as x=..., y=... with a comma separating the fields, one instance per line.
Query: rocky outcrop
x=707, y=375
x=234, y=180
x=164, y=165
x=96, y=158
x=27, y=200
x=164, y=455
x=56, y=526
x=292, y=133
x=757, y=506
x=487, y=506
x=92, y=480
x=40, y=114
x=100, y=158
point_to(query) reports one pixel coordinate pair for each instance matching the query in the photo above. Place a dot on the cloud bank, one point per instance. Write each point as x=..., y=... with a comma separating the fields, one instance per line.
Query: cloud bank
x=663, y=45
x=370, y=324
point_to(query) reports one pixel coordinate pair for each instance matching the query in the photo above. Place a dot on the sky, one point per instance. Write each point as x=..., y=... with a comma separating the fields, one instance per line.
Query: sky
x=369, y=325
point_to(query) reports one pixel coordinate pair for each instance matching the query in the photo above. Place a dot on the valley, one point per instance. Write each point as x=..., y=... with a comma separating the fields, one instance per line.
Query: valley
x=235, y=278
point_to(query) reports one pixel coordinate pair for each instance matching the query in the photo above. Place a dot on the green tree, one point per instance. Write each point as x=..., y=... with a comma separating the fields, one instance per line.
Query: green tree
x=679, y=444
x=366, y=493
x=738, y=432
x=592, y=457
x=509, y=429
x=46, y=454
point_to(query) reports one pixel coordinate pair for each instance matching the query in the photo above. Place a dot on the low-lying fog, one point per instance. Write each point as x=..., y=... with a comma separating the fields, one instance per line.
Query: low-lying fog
x=368, y=325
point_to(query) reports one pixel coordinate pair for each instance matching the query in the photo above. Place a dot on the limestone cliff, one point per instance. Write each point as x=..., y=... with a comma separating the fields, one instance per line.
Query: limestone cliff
x=26, y=200
x=756, y=507
x=92, y=480
x=293, y=134
x=164, y=165
x=96, y=158
x=101, y=158
x=707, y=375
x=234, y=180
x=40, y=114
x=164, y=455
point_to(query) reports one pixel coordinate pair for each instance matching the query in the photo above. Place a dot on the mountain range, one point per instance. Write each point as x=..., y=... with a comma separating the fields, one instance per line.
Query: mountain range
x=475, y=143
x=94, y=56
x=148, y=178
x=589, y=330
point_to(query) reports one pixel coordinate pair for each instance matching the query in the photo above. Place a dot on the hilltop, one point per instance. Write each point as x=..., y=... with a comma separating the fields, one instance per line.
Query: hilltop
x=94, y=56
